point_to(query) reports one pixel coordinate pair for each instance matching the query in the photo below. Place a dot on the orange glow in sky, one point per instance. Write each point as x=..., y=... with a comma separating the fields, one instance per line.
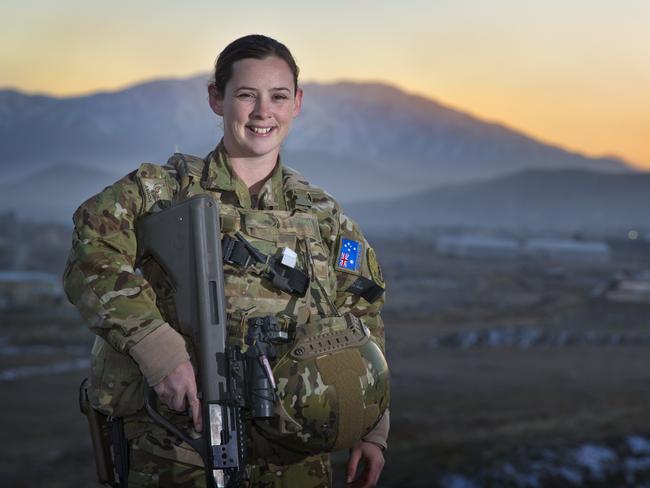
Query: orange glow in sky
x=574, y=74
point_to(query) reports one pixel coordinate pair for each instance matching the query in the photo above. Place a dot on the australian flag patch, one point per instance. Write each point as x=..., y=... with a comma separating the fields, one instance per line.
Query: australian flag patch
x=350, y=254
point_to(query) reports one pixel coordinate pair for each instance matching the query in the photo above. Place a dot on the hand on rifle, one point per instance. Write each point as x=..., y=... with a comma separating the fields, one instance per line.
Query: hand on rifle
x=177, y=390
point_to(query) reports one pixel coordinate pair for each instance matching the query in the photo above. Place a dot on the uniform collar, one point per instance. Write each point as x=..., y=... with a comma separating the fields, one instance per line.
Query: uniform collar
x=222, y=178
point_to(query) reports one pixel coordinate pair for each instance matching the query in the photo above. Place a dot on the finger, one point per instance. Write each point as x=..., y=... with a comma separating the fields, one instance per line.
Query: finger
x=374, y=471
x=353, y=463
x=178, y=402
x=372, y=466
x=195, y=406
x=362, y=481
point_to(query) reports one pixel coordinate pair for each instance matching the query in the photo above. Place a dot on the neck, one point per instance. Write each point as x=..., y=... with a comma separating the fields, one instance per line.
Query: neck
x=254, y=171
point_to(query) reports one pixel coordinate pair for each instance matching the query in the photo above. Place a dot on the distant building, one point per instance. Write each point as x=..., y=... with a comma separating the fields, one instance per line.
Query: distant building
x=477, y=246
x=567, y=249
x=29, y=288
x=627, y=288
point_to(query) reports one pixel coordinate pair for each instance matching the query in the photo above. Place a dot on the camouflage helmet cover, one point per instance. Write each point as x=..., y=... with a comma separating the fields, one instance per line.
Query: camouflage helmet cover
x=333, y=387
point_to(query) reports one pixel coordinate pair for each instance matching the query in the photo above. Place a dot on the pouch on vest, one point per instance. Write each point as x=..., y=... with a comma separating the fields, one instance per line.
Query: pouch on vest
x=115, y=387
x=108, y=440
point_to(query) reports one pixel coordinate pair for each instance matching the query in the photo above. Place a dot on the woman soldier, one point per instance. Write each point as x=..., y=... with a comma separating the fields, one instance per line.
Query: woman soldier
x=128, y=302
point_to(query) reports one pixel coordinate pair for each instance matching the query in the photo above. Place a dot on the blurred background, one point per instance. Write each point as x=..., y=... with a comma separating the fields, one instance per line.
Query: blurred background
x=495, y=153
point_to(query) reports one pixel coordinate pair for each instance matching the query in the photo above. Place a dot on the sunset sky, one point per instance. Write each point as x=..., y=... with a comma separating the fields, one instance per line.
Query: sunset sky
x=574, y=73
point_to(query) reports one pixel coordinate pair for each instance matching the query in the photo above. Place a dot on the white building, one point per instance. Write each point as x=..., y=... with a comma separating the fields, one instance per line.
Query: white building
x=567, y=249
x=626, y=288
x=477, y=246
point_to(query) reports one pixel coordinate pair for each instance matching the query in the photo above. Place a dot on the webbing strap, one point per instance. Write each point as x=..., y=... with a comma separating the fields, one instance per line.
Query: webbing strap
x=241, y=253
x=298, y=281
x=234, y=252
x=365, y=288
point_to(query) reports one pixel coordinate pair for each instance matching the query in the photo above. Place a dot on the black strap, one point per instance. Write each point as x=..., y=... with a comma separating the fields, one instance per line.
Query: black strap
x=241, y=253
x=365, y=288
x=235, y=252
x=297, y=280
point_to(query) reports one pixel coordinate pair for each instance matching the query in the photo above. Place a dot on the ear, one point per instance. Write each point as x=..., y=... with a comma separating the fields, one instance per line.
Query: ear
x=215, y=100
x=297, y=102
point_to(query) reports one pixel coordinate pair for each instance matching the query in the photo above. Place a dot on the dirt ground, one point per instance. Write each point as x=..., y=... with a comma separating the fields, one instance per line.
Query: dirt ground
x=492, y=361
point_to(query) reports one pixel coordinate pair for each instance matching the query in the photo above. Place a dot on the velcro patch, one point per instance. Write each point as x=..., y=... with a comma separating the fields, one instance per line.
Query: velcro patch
x=155, y=192
x=350, y=255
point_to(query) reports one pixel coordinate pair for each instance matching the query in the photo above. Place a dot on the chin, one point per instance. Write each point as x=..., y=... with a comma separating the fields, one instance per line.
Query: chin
x=260, y=148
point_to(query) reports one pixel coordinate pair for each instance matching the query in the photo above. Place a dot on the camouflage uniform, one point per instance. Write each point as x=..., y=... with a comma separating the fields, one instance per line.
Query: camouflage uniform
x=129, y=305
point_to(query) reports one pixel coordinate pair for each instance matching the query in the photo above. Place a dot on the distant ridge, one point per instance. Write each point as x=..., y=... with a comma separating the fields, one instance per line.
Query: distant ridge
x=420, y=126
x=423, y=163
x=532, y=200
x=53, y=193
x=117, y=129
x=358, y=140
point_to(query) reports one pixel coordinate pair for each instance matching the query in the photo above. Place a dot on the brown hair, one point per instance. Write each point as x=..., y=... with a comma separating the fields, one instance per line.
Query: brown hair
x=254, y=46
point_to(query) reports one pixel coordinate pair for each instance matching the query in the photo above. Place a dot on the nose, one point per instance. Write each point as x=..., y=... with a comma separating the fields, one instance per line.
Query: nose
x=262, y=108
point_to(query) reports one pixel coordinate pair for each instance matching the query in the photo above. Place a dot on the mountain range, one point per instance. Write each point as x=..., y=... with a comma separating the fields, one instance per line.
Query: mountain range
x=360, y=141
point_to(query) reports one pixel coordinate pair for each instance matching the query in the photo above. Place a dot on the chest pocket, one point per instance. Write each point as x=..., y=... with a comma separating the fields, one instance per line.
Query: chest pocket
x=248, y=294
x=272, y=230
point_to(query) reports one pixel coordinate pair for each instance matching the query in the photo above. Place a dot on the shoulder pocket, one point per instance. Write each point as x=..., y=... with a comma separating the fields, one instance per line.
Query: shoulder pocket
x=357, y=269
x=156, y=186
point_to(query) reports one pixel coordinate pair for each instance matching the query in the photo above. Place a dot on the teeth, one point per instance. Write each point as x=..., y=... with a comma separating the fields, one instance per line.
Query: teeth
x=261, y=130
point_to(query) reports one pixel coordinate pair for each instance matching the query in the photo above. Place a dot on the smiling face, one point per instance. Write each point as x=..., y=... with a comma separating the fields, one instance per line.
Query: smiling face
x=258, y=106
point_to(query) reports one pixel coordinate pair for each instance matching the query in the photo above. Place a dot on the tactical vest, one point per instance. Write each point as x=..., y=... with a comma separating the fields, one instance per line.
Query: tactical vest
x=332, y=379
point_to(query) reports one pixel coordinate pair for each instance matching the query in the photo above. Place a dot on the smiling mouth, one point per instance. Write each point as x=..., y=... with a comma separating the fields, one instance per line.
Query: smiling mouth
x=260, y=131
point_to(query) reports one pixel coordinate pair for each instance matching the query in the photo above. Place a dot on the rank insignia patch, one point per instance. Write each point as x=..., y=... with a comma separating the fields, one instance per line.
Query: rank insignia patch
x=350, y=254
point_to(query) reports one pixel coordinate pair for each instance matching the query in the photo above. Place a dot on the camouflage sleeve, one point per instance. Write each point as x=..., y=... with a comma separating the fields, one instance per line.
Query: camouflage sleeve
x=116, y=302
x=347, y=275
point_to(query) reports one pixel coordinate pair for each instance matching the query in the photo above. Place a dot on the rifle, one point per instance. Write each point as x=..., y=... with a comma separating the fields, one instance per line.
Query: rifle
x=184, y=240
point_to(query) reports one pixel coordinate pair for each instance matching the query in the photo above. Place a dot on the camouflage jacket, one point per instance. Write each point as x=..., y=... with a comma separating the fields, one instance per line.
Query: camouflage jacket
x=127, y=303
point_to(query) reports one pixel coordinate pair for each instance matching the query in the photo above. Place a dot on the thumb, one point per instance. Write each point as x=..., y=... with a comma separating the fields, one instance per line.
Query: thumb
x=353, y=463
x=195, y=407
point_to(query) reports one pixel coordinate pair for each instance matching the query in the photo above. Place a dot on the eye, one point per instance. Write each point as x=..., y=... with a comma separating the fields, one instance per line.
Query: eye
x=280, y=97
x=245, y=96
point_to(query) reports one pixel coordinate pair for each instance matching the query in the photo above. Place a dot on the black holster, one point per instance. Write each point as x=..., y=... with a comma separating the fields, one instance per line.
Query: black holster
x=109, y=443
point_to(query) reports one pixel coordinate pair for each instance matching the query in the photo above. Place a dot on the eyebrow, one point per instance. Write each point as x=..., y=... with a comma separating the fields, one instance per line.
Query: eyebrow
x=279, y=88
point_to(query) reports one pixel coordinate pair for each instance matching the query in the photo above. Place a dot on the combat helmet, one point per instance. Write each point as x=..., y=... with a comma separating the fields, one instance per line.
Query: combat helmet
x=332, y=387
